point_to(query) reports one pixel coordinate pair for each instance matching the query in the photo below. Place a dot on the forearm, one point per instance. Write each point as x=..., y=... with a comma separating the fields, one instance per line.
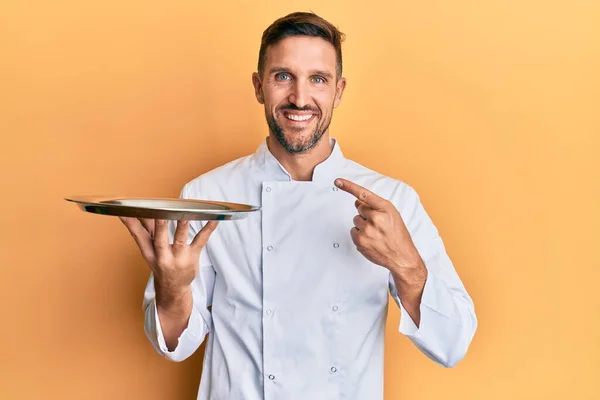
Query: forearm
x=174, y=308
x=410, y=283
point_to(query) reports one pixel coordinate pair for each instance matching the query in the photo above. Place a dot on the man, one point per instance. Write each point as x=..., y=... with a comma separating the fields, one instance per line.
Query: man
x=293, y=299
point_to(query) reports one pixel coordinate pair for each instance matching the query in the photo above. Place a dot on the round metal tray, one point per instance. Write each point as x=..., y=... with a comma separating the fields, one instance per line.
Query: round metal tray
x=163, y=208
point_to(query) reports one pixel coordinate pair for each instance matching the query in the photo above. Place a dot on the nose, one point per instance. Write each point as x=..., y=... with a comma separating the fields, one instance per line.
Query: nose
x=299, y=94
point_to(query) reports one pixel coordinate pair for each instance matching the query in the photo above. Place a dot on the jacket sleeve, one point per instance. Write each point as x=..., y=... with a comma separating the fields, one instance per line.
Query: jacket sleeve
x=200, y=322
x=448, y=321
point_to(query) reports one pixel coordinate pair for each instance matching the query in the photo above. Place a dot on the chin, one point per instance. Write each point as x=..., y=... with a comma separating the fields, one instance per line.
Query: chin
x=300, y=142
x=295, y=140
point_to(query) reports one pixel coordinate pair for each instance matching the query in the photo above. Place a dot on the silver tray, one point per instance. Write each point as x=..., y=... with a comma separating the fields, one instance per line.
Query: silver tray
x=163, y=208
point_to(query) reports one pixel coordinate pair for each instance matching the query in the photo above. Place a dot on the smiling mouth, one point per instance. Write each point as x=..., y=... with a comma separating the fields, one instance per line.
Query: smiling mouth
x=298, y=117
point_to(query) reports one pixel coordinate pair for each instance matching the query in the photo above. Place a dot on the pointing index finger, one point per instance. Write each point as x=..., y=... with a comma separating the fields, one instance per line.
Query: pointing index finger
x=365, y=195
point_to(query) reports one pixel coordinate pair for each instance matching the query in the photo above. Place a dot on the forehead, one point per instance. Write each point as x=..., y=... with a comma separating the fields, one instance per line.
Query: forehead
x=301, y=53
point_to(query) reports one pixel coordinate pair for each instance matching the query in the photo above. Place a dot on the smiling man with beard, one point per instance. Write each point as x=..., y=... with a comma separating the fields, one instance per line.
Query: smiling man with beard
x=293, y=300
x=299, y=81
x=300, y=106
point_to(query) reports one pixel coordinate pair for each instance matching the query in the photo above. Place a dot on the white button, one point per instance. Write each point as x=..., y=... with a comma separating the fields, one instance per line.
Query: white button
x=334, y=308
x=333, y=369
x=269, y=248
x=336, y=245
x=271, y=377
x=268, y=189
x=268, y=312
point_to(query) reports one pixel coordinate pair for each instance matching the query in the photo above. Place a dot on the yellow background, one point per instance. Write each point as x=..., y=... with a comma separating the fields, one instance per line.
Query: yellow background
x=490, y=109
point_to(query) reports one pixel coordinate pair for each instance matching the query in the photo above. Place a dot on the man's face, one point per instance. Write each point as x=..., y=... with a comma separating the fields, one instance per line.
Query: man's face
x=299, y=90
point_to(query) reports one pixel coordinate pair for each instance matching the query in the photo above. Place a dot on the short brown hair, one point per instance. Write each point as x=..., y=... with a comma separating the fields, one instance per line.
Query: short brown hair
x=301, y=24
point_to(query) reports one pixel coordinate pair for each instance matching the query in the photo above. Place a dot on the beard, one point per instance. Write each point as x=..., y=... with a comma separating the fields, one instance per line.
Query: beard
x=301, y=146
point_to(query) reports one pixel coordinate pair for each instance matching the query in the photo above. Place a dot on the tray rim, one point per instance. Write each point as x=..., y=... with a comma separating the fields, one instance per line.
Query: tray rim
x=98, y=201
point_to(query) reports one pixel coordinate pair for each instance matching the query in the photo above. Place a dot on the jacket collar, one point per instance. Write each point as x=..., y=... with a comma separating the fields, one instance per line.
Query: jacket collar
x=325, y=172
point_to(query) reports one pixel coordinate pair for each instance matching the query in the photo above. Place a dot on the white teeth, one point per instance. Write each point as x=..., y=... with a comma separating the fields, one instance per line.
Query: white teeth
x=294, y=117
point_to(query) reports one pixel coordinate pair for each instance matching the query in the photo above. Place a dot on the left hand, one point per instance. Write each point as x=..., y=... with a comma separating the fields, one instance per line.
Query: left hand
x=379, y=232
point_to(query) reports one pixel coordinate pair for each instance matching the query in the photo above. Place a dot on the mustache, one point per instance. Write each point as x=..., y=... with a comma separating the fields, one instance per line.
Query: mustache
x=292, y=107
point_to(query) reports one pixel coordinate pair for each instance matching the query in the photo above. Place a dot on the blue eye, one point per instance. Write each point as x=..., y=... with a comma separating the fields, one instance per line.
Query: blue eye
x=318, y=79
x=282, y=76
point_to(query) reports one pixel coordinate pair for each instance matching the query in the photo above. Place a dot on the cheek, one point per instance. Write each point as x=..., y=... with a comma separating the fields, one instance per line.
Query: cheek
x=325, y=101
x=275, y=94
x=324, y=108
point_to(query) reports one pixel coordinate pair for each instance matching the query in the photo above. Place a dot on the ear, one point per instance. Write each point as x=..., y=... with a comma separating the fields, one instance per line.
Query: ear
x=339, y=91
x=258, y=88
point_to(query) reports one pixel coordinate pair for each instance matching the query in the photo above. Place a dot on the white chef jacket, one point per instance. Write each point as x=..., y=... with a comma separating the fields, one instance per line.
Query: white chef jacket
x=290, y=308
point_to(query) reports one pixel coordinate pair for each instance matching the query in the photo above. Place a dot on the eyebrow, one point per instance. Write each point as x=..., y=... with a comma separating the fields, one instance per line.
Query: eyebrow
x=323, y=73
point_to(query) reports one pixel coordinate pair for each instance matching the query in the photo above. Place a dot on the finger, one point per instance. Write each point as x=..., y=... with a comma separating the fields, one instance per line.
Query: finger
x=148, y=224
x=202, y=237
x=354, y=235
x=142, y=238
x=365, y=195
x=360, y=222
x=361, y=205
x=358, y=202
x=161, y=236
x=365, y=211
x=181, y=236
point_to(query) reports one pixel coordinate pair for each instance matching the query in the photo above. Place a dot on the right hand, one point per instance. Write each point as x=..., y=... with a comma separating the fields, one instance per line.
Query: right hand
x=174, y=266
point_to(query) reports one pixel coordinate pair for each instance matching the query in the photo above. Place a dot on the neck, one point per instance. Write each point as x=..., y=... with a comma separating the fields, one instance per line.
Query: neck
x=300, y=166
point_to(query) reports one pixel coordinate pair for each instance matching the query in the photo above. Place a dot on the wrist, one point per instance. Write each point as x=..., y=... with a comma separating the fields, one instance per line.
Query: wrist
x=410, y=276
x=172, y=297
